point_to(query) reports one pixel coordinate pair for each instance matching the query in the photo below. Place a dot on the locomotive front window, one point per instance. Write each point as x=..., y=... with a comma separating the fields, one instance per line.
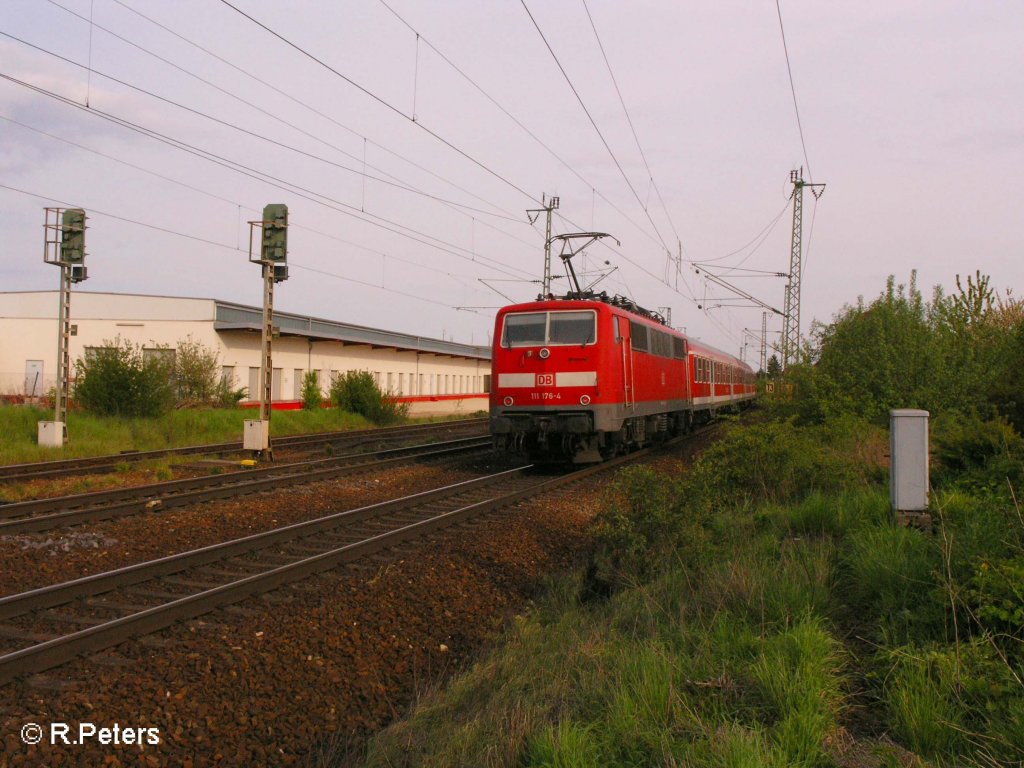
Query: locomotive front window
x=525, y=329
x=572, y=328
x=534, y=329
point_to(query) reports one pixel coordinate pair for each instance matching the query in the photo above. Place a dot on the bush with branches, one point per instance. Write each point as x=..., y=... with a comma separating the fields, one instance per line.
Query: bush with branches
x=118, y=380
x=357, y=392
x=195, y=372
x=311, y=395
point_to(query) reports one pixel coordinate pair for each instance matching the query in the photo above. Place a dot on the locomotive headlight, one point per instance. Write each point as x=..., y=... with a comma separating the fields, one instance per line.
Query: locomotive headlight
x=545, y=353
x=508, y=400
x=585, y=400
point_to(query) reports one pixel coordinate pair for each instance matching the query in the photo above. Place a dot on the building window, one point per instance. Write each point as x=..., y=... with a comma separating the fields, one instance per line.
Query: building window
x=254, y=383
x=227, y=376
x=158, y=354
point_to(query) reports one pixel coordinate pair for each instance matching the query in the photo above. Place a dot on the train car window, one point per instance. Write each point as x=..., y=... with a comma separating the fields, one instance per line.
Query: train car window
x=525, y=329
x=678, y=348
x=573, y=328
x=638, y=332
x=618, y=331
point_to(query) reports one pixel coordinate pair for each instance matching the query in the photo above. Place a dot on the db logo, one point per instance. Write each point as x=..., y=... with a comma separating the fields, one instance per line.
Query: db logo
x=545, y=379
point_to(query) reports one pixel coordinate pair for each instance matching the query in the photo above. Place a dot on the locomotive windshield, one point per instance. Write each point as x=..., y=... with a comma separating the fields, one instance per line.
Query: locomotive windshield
x=532, y=329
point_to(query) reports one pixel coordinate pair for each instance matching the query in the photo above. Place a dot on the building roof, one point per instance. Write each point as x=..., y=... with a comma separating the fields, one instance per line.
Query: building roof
x=229, y=316
x=234, y=317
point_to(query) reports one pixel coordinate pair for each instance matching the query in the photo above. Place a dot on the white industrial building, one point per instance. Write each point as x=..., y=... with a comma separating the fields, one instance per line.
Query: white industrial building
x=434, y=376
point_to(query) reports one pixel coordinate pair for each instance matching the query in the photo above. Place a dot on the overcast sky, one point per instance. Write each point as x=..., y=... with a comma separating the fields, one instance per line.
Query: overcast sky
x=912, y=114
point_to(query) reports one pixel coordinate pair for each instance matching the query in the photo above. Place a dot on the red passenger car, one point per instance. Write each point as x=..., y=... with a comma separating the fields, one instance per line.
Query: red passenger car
x=582, y=380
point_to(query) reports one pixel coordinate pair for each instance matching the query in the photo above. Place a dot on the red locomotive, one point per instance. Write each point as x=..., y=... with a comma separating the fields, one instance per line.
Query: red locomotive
x=587, y=376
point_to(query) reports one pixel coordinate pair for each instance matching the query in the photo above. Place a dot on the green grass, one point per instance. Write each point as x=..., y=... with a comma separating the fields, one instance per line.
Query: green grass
x=923, y=708
x=792, y=622
x=91, y=435
x=683, y=670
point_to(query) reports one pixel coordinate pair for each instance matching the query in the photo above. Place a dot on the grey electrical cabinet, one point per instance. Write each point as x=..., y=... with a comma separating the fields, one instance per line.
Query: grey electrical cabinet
x=908, y=444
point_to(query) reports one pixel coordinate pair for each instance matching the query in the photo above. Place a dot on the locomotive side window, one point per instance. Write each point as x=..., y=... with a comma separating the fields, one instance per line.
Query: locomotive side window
x=618, y=331
x=572, y=328
x=679, y=348
x=639, y=335
x=661, y=344
x=534, y=329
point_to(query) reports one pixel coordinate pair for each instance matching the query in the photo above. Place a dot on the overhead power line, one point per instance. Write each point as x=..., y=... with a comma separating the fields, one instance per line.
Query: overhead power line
x=241, y=206
x=295, y=189
x=519, y=123
x=320, y=113
x=593, y=123
x=629, y=120
x=383, y=102
x=692, y=297
x=254, y=134
x=226, y=246
x=792, y=88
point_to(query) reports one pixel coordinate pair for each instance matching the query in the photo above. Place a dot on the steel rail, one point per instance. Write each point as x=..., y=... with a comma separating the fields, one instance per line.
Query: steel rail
x=24, y=517
x=108, y=462
x=86, y=586
x=60, y=650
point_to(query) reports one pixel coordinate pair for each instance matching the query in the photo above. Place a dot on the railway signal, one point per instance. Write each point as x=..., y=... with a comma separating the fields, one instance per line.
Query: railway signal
x=273, y=260
x=64, y=247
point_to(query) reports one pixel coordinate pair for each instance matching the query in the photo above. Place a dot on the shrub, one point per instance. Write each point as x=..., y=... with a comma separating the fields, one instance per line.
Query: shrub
x=357, y=392
x=997, y=593
x=311, y=397
x=117, y=380
x=642, y=524
x=226, y=397
x=195, y=372
x=775, y=461
x=977, y=452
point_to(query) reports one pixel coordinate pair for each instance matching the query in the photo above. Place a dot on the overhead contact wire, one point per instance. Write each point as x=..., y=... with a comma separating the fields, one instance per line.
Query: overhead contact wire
x=226, y=246
x=593, y=122
x=382, y=102
x=519, y=123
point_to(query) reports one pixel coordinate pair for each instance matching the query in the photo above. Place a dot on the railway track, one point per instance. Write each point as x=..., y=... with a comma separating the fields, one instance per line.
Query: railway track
x=343, y=440
x=46, y=627
x=63, y=511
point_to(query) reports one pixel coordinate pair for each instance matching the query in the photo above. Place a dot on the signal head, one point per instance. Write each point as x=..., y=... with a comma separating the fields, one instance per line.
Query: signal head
x=275, y=233
x=72, y=236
